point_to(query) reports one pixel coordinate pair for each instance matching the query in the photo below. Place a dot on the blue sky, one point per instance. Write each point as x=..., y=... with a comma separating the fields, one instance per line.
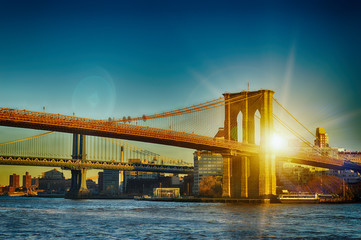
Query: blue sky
x=120, y=58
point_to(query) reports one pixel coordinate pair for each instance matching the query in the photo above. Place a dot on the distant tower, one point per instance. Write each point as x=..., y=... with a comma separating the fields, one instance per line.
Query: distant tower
x=111, y=181
x=100, y=182
x=206, y=163
x=26, y=180
x=14, y=181
x=321, y=138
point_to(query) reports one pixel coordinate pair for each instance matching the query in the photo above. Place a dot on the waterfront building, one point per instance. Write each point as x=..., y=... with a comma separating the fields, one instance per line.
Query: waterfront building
x=14, y=182
x=166, y=193
x=100, y=182
x=145, y=186
x=188, y=184
x=53, y=174
x=293, y=176
x=92, y=186
x=53, y=181
x=26, y=180
x=206, y=164
x=176, y=180
x=349, y=176
x=35, y=182
x=321, y=138
x=3, y=189
x=143, y=183
x=133, y=178
x=136, y=182
x=354, y=156
x=111, y=181
x=128, y=175
x=322, y=143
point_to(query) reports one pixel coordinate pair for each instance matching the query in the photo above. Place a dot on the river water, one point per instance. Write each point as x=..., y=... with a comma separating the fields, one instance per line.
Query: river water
x=50, y=218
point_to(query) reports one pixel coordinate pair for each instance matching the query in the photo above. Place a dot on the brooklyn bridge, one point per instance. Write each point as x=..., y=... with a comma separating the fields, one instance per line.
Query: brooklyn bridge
x=240, y=126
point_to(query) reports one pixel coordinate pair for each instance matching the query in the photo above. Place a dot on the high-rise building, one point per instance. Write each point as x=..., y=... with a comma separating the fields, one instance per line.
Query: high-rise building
x=322, y=142
x=206, y=164
x=111, y=181
x=100, y=182
x=321, y=138
x=14, y=181
x=26, y=180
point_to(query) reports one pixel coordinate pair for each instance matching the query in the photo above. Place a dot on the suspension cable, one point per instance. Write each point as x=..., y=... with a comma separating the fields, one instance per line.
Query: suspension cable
x=299, y=136
x=24, y=139
x=130, y=146
x=294, y=118
x=318, y=150
x=196, y=108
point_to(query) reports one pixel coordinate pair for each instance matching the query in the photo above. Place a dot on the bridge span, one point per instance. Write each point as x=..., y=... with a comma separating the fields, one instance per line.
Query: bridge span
x=85, y=126
x=77, y=164
x=248, y=169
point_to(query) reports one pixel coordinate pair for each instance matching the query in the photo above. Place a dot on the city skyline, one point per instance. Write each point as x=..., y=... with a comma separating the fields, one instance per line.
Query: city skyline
x=129, y=59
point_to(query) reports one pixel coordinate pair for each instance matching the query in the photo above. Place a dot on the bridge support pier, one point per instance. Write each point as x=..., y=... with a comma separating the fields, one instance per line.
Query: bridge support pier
x=226, y=181
x=267, y=175
x=244, y=168
x=247, y=176
x=235, y=176
x=253, y=178
x=78, y=187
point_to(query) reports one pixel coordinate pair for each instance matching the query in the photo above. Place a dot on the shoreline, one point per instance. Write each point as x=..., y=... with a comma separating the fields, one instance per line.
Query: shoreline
x=194, y=199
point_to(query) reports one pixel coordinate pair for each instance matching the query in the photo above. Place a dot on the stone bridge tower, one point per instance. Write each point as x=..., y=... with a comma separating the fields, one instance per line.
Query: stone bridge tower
x=249, y=176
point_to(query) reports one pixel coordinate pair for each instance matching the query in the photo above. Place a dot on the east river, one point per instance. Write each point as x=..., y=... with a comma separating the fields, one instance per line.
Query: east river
x=50, y=218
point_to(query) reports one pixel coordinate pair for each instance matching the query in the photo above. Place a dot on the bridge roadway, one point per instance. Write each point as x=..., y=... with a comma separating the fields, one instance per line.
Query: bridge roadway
x=102, y=128
x=320, y=161
x=71, y=124
x=76, y=164
x=313, y=160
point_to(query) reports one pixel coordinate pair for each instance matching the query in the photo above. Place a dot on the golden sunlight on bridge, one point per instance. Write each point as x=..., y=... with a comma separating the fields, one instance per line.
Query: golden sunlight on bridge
x=248, y=169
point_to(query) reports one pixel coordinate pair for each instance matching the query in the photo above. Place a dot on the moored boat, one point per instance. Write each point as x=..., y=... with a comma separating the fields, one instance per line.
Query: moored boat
x=16, y=194
x=299, y=198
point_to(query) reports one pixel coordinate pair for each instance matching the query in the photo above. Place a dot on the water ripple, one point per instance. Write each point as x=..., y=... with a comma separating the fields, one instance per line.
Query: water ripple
x=41, y=218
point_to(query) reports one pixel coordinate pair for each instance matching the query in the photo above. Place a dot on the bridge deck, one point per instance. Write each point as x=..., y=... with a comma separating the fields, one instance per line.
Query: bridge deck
x=102, y=128
x=71, y=124
x=76, y=164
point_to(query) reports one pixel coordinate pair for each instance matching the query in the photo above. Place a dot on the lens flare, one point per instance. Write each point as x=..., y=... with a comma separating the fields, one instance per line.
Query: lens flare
x=277, y=142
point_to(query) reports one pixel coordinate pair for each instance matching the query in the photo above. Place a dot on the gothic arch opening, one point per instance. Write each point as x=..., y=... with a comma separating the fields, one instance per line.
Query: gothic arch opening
x=239, y=127
x=257, y=128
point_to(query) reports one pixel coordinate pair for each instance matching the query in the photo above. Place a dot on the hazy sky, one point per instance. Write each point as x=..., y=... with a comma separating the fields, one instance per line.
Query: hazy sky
x=120, y=58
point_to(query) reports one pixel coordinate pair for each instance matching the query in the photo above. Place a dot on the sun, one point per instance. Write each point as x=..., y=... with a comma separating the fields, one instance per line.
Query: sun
x=277, y=142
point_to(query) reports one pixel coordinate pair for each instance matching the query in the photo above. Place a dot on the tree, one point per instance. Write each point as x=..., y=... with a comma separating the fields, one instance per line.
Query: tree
x=144, y=117
x=211, y=186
